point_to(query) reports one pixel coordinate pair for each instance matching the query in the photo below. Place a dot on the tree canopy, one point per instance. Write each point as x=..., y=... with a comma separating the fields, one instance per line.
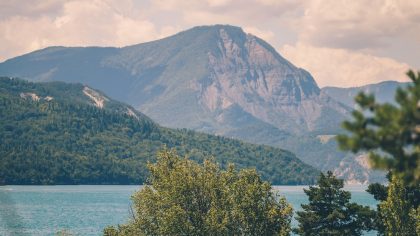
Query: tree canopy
x=187, y=198
x=330, y=212
x=396, y=212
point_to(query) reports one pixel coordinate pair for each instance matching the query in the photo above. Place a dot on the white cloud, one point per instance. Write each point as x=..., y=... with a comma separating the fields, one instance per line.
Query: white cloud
x=29, y=8
x=218, y=3
x=27, y=27
x=266, y=35
x=359, y=34
x=344, y=68
x=77, y=23
x=359, y=24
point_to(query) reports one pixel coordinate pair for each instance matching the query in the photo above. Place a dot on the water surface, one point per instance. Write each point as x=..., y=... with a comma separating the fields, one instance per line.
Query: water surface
x=87, y=209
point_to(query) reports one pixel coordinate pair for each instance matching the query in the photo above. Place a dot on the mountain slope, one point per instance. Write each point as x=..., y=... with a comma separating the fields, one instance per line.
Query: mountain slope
x=191, y=79
x=383, y=92
x=57, y=133
x=213, y=79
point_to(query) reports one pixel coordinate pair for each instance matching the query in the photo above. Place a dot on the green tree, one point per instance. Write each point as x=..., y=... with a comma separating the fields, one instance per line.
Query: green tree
x=397, y=212
x=415, y=214
x=186, y=198
x=329, y=211
x=409, y=196
x=390, y=133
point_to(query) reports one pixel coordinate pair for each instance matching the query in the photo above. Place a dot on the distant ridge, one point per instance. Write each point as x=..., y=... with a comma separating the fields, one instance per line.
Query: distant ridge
x=383, y=92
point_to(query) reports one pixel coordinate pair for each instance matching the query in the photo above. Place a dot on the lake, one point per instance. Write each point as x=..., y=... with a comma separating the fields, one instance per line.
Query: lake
x=87, y=209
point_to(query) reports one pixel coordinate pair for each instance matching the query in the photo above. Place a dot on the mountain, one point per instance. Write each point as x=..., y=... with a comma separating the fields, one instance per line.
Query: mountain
x=214, y=79
x=58, y=133
x=201, y=78
x=351, y=167
x=384, y=92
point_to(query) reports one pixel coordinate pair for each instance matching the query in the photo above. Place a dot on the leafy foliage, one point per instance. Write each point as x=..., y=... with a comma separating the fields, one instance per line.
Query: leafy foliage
x=329, y=211
x=186, y=198
x=67, y=140
x=390, y=133
x=415, y=214
x=407, y=197
x=397, y=214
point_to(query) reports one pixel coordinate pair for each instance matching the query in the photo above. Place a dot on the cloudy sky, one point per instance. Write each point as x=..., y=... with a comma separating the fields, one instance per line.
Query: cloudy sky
x=342, y=43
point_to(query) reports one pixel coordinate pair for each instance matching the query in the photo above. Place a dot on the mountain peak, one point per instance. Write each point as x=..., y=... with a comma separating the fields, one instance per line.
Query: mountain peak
x=205, y=70
x=216, y=79
x=217, y=27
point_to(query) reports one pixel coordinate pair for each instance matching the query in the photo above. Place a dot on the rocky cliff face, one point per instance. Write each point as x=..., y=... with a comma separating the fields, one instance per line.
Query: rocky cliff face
x=250, y=74
x=215, y=79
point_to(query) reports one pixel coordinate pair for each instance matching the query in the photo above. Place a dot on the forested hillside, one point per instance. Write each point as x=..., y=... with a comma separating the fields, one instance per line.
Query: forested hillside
x=57, y=133
x=215, y=79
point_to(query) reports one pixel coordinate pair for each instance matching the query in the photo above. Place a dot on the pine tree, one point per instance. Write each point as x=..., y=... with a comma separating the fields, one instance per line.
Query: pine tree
x=330, y=212
x=391, y=134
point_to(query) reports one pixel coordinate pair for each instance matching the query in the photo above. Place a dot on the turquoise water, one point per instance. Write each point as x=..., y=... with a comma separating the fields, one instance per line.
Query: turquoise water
x=86, y=210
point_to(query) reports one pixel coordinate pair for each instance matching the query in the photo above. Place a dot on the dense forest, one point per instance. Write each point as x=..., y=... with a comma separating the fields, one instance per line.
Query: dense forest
x=52, y=133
